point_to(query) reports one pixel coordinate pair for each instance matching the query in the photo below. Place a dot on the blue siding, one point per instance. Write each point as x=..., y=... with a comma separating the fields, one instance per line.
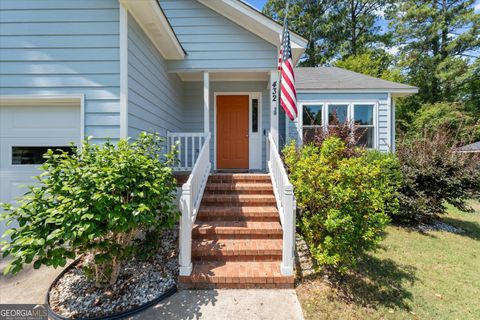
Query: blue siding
x=154, y=96
x=383, y=124
x=214, y=42
x=64, y=47
x=194, y=105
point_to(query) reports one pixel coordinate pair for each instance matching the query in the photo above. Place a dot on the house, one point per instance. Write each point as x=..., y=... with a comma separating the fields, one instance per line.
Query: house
x=200, y=72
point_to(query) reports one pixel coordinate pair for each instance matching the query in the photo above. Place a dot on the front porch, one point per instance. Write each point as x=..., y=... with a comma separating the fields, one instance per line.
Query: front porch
x=237, y=230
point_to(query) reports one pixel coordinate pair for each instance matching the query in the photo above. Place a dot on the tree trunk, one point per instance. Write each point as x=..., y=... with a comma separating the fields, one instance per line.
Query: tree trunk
x=353, y=48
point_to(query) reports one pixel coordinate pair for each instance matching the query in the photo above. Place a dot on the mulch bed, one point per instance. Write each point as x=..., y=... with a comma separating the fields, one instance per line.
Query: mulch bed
x=139, y=282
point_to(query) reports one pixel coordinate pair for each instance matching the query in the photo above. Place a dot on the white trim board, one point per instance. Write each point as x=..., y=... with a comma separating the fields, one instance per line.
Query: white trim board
x=154, y=23
x=123, y=71
x=393, y=92
x=48, y=100
x=254, y=158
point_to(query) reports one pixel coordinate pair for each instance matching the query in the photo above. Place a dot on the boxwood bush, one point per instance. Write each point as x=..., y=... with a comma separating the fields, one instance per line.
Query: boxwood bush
x=94, y=202
x=344, y=201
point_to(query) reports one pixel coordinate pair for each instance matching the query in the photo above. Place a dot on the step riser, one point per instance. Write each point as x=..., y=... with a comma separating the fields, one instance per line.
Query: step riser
x=237, y=202
x=243, y=258
x=244, y=179
x=209, y=191
x=210, y=286
x=208, y=217
x=215, y=236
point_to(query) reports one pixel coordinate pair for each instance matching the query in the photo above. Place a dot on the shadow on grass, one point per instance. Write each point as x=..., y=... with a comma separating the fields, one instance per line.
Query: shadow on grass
x=377, y=282
x=471, y=228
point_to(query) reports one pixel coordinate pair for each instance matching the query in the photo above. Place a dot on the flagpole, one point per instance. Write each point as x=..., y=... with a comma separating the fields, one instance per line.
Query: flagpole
x=287, y=7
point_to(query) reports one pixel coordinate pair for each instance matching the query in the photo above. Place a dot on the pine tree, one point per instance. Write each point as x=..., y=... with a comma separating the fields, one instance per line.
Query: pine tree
x=438, y=42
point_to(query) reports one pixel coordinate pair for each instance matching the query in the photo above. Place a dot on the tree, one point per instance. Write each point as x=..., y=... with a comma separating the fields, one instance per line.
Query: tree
x=309, y=18
x=334, y=29
x=356, y=28
x=375, y=63
x=437, y=40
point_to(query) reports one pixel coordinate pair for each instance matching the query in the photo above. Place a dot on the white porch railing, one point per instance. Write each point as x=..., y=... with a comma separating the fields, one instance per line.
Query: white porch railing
x=190, y=144
x=283, y=190
x=192, y=193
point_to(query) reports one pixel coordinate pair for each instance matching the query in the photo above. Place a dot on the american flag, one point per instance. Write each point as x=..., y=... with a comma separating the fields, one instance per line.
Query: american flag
x=288, y=96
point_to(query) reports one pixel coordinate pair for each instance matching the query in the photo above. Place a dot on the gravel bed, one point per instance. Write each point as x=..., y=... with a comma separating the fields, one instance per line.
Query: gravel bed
x=139, y=282
x=304, y=262
x=438, y=225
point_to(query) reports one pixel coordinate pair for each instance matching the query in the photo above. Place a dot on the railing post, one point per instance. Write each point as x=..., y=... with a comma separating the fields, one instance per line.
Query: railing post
x=186, y=231
x=288, y=230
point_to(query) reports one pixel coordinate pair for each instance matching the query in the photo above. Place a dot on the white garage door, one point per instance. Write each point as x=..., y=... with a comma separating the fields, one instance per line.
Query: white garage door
x=25, y=134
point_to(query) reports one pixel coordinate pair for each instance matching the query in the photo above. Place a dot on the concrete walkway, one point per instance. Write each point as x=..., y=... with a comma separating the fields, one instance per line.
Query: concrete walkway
x=30, y=286
x=241, y=304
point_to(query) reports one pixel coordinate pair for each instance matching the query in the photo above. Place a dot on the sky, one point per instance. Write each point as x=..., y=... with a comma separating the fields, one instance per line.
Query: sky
x=260, y=3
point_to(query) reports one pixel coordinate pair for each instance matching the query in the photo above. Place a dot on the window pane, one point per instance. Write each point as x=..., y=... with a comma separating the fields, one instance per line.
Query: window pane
x=255, y=115
x=312, y=115
x=366, y=138
x=363, y=114
x=33, y=155
x=338, y=110
x=309, y=133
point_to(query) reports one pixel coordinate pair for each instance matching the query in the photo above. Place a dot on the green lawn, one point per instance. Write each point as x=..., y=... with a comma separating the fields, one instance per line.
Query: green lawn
x=435, y=275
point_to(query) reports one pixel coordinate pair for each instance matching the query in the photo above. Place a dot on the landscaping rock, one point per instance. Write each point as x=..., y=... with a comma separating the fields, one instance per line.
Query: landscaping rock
x=75, y=296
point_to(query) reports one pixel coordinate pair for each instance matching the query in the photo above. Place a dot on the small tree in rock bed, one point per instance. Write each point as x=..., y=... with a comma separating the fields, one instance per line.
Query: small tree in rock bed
x=94, y=202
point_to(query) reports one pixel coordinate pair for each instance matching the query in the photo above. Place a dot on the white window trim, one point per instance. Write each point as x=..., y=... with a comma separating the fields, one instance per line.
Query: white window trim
x=350, y=113
x=251, y=96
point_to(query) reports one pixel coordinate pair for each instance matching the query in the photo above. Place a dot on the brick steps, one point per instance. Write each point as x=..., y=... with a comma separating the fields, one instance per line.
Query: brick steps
x=239, y=213
x=237, y=249
x=237, y=236
x=231, y=178
x=231, y=275
x=232, y=228
x=239, y=188
x=239, y=199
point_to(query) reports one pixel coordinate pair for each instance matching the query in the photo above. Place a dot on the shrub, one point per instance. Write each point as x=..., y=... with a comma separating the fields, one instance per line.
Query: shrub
x=433, y=174
x=346, y=131
x=95, y=202
x=343, y=200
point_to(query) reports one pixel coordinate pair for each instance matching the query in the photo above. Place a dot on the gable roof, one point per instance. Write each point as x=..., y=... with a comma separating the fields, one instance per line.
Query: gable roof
x=256, y=22
x=338, y=79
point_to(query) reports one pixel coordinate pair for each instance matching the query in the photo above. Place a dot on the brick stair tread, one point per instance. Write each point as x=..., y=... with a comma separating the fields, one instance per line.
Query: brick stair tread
x=237, y=227
x=239, y=177
x=238, y=198
x=241, y=211
x=236, y=247
x=257, y=272
x=239, y=186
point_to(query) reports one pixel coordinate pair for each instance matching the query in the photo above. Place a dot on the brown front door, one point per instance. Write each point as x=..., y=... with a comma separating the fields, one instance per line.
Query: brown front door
x=232, y=132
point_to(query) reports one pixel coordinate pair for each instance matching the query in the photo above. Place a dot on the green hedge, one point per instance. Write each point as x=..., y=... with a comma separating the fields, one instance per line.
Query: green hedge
x=344, y=201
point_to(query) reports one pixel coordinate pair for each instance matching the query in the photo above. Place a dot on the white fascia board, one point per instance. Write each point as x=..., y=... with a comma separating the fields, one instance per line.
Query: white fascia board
x=257, y=23
x=394, y=92
x=155, y=24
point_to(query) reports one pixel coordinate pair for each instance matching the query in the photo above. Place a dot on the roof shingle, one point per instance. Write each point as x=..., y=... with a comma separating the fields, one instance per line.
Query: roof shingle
x=333, y=78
